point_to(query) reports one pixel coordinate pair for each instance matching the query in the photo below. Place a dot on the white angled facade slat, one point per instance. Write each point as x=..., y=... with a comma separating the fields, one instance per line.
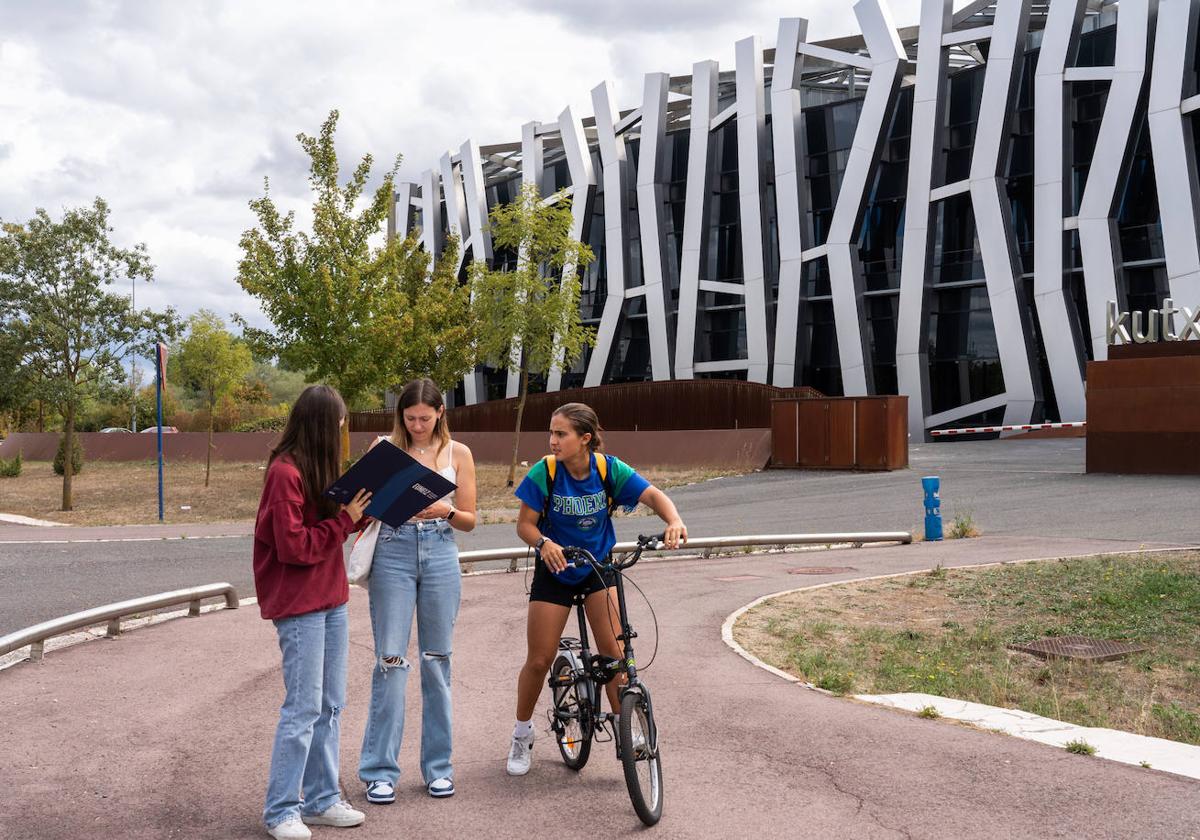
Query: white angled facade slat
x=787, y=143
x=650, y=219
x=1049, y=165
x=583, y=184
x=615, y=167
x=911, y=366
x=989, y=199
x=751, y=139
x=1098, y=240
x=695, y=214
x=887, y=53
x=1174, y=145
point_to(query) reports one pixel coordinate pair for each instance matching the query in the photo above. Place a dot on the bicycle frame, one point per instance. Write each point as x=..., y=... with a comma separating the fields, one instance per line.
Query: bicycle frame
x=628, y=664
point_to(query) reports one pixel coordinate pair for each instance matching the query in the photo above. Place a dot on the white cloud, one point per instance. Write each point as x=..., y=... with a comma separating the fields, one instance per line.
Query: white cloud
x=174, y=112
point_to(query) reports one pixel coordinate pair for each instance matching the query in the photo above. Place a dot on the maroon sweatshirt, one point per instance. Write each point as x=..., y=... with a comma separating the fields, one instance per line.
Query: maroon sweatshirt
x=298, y=565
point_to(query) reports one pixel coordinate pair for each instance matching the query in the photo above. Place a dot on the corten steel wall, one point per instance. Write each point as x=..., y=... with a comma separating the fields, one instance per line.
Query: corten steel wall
x=860, y=433
x=634, y=406
x=740, y=449
x=1144, y=410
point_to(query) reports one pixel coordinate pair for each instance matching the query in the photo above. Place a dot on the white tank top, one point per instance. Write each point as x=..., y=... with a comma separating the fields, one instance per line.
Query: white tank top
x=447, y=472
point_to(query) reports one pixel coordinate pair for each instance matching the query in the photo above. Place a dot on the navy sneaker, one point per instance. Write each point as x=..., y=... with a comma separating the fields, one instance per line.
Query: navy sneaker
x=441, y=788
x=381, y=793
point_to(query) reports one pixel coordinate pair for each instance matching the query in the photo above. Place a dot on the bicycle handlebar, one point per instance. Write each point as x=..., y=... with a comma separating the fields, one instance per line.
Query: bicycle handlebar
x=582, y=557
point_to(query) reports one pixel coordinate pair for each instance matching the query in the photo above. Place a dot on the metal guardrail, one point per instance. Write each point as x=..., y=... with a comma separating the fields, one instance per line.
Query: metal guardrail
x=707, y=545
x=37, y=635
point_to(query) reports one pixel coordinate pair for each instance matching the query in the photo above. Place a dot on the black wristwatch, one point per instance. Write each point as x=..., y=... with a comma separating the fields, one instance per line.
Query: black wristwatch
x=450, y=515
x=537, y=546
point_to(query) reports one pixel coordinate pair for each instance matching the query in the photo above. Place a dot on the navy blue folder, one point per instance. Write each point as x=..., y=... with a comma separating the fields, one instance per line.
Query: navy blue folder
x=399, y=484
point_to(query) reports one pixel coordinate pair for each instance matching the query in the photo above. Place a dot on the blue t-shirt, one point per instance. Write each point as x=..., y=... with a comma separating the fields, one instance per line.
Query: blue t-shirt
x=579, y=509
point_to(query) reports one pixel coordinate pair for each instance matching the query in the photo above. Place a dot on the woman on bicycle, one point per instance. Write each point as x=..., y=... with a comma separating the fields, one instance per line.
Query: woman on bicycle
x=415, y=570
x=574, y=508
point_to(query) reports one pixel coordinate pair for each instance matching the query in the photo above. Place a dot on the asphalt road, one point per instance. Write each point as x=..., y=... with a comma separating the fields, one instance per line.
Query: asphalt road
x=1014, y=487
x=167, y=734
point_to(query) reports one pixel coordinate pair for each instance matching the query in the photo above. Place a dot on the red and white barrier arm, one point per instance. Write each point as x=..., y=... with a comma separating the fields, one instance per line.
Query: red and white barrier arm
x=979, y=430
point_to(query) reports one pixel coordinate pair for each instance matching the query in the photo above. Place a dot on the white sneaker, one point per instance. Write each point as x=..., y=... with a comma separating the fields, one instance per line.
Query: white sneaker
x=290, y=829
x=340, y=814
x=521, y=755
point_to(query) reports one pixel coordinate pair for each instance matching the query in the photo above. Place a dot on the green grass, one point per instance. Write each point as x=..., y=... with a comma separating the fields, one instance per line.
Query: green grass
x=1080, y=747
x=945, y=632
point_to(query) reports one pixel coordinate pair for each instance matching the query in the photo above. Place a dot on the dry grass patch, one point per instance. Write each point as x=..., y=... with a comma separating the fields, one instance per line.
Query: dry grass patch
x=945, y=632
x=126, y=493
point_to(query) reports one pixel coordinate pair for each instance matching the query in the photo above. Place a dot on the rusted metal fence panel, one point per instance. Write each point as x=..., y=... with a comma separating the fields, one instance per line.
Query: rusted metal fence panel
x=847, y=433
x=634, y=406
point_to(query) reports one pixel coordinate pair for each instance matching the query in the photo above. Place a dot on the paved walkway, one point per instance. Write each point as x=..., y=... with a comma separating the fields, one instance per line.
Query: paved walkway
x=166, y=733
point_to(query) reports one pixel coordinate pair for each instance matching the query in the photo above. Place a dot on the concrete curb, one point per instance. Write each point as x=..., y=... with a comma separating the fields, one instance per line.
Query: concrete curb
x=1126, y=747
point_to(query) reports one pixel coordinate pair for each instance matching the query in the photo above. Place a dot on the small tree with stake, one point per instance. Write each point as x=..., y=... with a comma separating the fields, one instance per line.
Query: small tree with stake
x=73, y=333
x=529, y=316
x=212, y=362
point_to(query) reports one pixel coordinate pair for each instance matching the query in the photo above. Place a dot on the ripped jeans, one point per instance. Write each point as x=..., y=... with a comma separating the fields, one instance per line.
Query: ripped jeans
x=415, y=570
x=305, y=755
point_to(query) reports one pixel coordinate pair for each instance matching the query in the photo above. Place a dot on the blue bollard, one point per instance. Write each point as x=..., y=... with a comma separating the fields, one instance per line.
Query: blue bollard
x=933, y=507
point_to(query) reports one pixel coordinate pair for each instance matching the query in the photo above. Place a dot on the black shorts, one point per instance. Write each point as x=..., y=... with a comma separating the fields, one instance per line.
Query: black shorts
x=546, y=587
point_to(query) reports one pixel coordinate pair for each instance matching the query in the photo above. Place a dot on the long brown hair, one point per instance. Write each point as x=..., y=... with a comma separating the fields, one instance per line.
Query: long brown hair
x=312, y=439
x=422, y=392
x=585, y=422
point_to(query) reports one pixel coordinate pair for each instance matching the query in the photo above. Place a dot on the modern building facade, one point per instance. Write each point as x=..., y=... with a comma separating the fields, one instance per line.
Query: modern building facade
x=943, y=210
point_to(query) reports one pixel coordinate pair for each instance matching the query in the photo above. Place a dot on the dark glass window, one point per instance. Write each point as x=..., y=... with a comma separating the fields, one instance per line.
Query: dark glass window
x=956, y=256
x=964, y=363
x=962, y=116
x=631, y=351
x=822, y=368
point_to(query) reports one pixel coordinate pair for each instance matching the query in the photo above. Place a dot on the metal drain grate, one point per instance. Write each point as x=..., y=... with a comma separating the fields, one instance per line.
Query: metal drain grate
x=1078, y=647
x=821, y=570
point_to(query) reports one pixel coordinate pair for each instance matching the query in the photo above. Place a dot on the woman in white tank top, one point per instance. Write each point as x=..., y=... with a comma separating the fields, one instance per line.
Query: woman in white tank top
x=415, y=571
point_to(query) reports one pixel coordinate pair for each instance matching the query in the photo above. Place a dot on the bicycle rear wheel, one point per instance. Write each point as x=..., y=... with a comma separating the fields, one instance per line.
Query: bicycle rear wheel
x=640, y=757
x=572, y=722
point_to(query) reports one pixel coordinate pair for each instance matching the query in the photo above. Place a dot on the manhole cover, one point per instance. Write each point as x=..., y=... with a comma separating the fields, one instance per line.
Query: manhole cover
x=1078, y=647
x=735, y=578
x=821, y=570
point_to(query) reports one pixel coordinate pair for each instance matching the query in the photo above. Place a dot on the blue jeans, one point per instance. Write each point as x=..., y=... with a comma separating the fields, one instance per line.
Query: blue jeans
x=305, y=755
x=415, y=570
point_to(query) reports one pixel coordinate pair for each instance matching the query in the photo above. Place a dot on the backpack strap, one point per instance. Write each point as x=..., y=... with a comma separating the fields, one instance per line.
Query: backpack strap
x=602, y=468
x=551, y=470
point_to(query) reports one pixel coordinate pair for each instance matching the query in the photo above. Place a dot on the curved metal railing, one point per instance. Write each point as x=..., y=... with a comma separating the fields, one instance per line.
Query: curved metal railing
x=706, y=546
x=37, y=635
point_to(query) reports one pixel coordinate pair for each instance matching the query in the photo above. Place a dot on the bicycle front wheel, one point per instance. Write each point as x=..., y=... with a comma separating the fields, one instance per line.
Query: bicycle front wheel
x=640, y=757
x=572, y=714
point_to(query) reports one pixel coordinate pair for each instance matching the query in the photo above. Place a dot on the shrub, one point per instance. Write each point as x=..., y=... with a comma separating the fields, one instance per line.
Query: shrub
x=263, y=424
x=61, y=456
x=1080, y=747
x=10, y=467
x=964, y=527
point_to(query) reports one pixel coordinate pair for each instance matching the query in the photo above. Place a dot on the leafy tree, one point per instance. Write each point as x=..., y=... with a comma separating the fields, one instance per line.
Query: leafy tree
x=421, y=324
x=16, y=389
x=529, y=316
x=251, y=392
x=213, y=362
x=317, y=289
x=362, y=317
x=282, y=385
x=72, y=331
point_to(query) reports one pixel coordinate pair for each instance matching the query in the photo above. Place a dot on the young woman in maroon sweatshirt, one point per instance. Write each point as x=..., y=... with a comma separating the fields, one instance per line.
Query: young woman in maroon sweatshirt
x=300, y=579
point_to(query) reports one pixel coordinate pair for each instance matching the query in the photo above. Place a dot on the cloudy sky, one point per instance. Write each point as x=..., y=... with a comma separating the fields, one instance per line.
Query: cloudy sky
x=174, y=112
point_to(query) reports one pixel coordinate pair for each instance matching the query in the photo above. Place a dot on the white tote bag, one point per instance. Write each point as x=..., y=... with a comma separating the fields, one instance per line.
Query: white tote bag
x=358, y=564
